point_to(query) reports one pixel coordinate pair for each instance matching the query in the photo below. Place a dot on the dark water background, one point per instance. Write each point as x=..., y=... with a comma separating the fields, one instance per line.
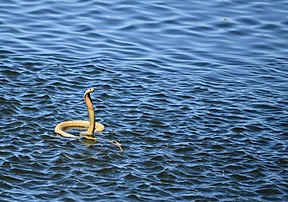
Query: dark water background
x=196, y=92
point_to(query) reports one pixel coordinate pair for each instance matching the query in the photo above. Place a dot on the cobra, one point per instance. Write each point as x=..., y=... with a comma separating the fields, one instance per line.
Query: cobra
x=91, y=124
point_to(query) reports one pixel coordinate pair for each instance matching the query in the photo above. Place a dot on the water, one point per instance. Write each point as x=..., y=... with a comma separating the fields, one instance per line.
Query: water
x=195, y=91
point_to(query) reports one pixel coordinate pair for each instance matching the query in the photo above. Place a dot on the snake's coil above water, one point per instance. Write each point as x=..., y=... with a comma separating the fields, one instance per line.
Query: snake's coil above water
x=91, y=124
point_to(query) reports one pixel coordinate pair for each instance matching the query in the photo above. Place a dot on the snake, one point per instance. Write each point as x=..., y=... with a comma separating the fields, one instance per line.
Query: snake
x=92, y=125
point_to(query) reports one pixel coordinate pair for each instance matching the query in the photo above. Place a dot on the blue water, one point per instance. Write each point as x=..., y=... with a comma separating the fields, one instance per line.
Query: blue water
x=195, y=91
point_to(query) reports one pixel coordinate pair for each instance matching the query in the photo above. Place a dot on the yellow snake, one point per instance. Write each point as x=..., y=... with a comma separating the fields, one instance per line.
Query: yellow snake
x=91, y=124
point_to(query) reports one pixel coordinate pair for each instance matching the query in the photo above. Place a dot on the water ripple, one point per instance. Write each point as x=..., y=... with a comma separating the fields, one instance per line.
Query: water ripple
x=196, y=94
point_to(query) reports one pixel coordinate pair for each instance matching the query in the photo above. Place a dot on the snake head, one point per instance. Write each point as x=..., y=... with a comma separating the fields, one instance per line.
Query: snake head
x=90, y=90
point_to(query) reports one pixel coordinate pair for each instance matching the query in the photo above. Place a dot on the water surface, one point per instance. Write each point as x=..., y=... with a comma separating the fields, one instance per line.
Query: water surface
x=195, y=91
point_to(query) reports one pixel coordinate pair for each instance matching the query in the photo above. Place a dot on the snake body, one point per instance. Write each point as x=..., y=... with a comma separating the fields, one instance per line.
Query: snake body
x=91, y=124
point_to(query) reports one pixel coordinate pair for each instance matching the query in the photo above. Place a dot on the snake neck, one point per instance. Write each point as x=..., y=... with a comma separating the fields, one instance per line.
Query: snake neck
x=91, y=114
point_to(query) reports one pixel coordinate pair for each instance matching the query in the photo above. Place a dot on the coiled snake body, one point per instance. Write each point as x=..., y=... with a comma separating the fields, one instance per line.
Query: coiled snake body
x=91, y=124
